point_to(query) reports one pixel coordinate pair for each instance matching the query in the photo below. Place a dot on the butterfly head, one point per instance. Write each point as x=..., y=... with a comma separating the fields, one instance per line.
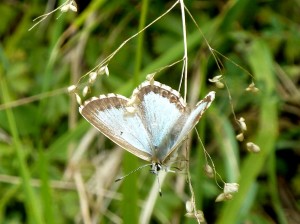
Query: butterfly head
x=155, y=168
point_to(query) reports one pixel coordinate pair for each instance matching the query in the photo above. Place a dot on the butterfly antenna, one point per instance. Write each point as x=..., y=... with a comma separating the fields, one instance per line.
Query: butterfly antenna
x=121, y=178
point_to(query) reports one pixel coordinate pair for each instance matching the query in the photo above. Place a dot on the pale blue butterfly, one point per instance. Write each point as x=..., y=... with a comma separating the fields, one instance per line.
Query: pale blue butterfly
x=151, y=124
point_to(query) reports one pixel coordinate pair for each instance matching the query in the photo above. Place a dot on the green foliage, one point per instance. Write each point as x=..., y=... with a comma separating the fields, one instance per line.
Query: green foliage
x=52, y=165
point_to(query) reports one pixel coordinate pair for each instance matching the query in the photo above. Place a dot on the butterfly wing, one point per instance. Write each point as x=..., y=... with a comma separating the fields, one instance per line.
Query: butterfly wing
x=191, y=119
x=158, y=126
x=109, y=114
x=162, y=110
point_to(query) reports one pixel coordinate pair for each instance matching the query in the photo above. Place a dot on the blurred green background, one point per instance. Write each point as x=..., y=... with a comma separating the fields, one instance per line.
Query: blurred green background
x=55, y=168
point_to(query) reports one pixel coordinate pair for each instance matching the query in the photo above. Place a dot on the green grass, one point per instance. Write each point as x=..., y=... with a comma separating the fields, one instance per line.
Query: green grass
x=38, y=138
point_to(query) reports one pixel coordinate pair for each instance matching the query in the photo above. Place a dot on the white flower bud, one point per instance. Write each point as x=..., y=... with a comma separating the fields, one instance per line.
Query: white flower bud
x=106, y=71
x=200, y=215
x=209, y=171
x=150, y=78
x=78, y=99
x=252, y=88
x=189, y=207
x=252, y=147
x=219, y=85
x=85, y=90
x=215, y=78
x=240, y=137
x=92, y=77
x=65, y=8
x=73, y=6
x=223, y=197
x=101, y=71
x=72, y=88
x=220, y=197
x=231, y=188
x=242, y=124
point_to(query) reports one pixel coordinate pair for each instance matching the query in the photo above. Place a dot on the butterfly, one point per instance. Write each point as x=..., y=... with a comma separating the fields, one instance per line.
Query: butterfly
x=152, y=124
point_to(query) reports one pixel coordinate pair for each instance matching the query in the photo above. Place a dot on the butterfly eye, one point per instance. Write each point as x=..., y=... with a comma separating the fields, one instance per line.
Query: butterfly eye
x=158, y=166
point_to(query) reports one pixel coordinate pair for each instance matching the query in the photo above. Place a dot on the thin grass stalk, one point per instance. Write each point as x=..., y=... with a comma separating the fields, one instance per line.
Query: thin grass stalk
x=185, y=55
x=31, y=201
x=200, y=157
x=175, y=53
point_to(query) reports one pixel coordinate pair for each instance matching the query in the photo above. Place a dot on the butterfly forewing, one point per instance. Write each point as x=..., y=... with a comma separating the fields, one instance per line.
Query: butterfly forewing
x=109, y=115
x=162, y=110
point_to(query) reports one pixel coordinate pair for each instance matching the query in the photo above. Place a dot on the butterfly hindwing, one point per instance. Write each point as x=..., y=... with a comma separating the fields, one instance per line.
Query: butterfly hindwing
x=192, y=118
x=196, y=113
